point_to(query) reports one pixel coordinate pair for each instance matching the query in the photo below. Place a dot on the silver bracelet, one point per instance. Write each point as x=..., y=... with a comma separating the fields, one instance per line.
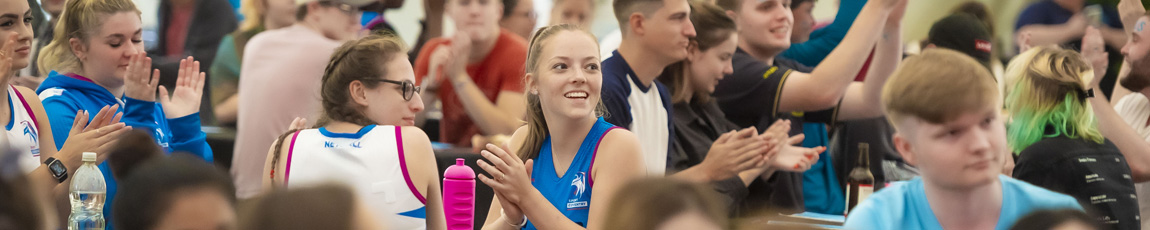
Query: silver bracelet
x=519, y=226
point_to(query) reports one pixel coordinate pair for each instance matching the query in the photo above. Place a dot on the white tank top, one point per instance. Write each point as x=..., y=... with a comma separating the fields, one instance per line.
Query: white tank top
x=370, y=161
x=23, y=132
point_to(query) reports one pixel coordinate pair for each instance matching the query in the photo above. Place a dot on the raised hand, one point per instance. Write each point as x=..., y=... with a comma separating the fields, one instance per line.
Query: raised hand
x=7, y=50
x=140, y=79
x=99, y=135
x=509, y=176
x=460, y=53
x=1094, y=50
x=435, y=68
x=185, y=99
x=298, y=123
x=1024, y=43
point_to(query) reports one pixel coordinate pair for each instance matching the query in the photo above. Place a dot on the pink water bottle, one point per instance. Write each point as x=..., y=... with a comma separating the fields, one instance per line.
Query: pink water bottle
x=459, y=196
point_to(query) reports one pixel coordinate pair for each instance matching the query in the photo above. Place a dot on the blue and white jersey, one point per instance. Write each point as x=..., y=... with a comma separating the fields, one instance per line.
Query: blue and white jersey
x=370, y=161
x=23, y=132
x=644, y=110
x=570, y=193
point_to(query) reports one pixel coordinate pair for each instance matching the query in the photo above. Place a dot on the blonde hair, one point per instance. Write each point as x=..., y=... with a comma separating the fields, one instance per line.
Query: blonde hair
x=1047, y=90
x=80, y=19
x=536, y=122
x=938, y=86
x=253, y=11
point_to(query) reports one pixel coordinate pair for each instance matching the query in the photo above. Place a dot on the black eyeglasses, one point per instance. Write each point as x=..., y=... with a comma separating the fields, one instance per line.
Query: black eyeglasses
x=409, y=89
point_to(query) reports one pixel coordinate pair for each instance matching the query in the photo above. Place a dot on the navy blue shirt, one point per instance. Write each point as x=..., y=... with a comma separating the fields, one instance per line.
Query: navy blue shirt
x=1047, y=12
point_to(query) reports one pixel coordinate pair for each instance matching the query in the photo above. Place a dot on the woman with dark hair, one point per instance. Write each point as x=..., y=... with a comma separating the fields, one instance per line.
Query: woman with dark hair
x=368, y=93
x=705, y=140
x=177, y=192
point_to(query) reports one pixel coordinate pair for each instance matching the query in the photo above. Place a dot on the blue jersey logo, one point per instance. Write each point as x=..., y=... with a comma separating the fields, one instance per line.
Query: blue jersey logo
x=578, y=187
x=33, y=137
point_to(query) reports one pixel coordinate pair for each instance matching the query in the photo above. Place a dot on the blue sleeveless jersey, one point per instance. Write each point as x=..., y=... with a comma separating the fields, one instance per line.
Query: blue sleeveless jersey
x=570, y=193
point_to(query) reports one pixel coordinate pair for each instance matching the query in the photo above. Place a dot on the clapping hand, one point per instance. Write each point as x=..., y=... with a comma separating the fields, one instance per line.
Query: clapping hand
x=140, y=80
x=185, y=99
x=98, y=136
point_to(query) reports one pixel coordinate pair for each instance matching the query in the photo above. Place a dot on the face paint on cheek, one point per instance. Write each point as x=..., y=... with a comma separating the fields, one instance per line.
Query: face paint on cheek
x=1141, y=25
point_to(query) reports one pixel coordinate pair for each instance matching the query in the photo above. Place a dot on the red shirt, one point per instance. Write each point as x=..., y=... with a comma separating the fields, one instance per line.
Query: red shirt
x=177, y=31
x=501, y=70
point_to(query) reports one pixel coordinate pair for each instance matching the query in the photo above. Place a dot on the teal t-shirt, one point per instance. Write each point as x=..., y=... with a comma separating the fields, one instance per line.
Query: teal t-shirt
x=903, y=205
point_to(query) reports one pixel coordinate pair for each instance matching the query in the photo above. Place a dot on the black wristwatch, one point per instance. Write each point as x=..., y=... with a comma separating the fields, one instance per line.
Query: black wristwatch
x=57, y=168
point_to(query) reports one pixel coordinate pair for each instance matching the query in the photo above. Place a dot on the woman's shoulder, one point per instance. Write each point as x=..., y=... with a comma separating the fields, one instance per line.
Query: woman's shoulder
x=618, y=139
x=414, y=139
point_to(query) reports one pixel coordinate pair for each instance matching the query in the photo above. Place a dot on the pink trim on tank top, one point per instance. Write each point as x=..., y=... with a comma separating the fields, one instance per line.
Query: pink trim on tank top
x=27, y=109
x=403, y=167
x=291, y=148
x=591, y=178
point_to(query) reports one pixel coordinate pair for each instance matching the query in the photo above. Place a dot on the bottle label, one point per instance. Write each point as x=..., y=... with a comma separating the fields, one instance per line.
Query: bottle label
x=861, y=192
x=864, y=191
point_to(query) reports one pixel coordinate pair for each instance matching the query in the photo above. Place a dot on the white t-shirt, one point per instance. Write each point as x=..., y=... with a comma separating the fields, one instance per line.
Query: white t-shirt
x=650, y=125
x=1134, y=108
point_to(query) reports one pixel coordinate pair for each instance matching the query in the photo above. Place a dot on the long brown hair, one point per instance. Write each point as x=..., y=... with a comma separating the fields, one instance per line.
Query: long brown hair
x=644, y=204
x=80, y=19
x=327, y=206
x=360, y=60
x=713, y=27
x=536, y=123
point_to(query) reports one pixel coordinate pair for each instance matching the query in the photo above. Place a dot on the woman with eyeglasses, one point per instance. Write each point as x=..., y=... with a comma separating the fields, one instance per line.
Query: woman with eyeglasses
x=368, y=93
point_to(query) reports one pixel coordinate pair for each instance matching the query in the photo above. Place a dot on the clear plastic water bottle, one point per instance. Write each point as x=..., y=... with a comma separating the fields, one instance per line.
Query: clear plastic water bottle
x=87, y=196
x=459, y=196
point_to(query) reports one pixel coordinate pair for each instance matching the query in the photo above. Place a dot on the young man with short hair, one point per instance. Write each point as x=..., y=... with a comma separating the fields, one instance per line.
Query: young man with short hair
x=945, y=109
x=1127, y=123
x=765, y=87
x=655, y=35
x=476, y=74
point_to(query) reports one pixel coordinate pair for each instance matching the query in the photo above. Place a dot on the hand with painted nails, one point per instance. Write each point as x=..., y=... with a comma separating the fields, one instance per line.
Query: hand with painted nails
x=185, y=99
x=509, y=176
x=99, y=135
x=777, y=136
x=796, y=159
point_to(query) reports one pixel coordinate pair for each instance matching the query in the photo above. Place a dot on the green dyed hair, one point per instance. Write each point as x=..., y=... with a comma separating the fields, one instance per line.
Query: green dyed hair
x=1045, y=97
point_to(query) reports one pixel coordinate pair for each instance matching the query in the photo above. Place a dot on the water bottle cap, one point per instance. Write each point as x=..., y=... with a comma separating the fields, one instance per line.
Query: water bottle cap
x=90, y=156
x=459, y=171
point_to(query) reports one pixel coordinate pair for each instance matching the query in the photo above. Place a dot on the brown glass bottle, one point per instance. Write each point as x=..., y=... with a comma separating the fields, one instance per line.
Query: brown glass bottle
x=860, y=182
